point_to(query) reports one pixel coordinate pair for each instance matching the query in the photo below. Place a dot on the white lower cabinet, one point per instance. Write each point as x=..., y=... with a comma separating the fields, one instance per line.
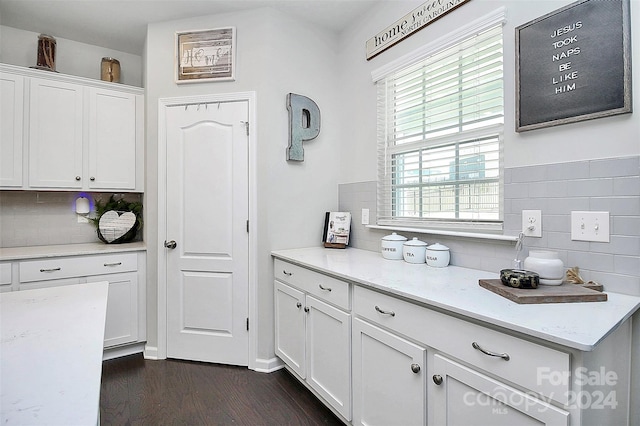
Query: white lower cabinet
x=125, y=272
x=464, y=396
x=388, y=378
x=313, y=338
x=121, y=325
x=414, y=365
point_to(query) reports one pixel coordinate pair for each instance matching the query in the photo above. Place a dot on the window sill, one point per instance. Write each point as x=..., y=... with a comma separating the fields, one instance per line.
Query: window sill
x=462, y=234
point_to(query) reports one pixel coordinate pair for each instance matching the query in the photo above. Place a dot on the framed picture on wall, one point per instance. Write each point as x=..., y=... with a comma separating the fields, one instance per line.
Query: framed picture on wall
x=206, y=55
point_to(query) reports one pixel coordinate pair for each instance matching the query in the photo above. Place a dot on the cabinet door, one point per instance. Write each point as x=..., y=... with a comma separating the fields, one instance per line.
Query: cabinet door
x=112, y=139
x=55, y=134
x=328, y=353
x=388, y=378
x=465, y=396
x=11, y=129
x=289, y=327
x=121, y=325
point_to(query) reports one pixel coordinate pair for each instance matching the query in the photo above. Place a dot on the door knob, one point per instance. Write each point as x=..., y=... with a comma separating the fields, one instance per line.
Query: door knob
x=170, y=244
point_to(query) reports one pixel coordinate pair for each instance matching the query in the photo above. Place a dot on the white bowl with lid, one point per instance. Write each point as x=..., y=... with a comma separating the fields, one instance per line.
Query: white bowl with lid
x=437, y=255
x=413, y=251
x=392, y=246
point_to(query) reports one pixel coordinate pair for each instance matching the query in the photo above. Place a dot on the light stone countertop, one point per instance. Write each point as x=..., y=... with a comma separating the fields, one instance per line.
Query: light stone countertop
x=456, y=290
x=40, y=252
x=51, y=342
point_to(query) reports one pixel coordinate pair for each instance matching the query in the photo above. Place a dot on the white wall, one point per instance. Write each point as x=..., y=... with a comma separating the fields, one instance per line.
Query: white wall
x=19, y=47
x=276, y=54
x=602, y=138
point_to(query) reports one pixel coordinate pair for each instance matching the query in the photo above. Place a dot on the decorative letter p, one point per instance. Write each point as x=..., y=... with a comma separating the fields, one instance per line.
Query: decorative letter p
x=304, y=124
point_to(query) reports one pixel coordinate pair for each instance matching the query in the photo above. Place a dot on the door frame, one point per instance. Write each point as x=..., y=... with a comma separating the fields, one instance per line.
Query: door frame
x=163, y=104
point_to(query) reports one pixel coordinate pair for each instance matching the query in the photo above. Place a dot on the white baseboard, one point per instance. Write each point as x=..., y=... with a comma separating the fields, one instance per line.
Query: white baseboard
x=121, y=351
x=151, y=352
x=268, y=365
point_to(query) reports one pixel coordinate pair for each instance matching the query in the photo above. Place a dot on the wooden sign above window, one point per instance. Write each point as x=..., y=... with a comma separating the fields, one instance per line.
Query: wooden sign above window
x=409, y=24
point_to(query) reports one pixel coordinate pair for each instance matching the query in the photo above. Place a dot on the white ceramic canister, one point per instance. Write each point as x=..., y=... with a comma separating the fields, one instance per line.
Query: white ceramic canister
x=413, y=251
x=437, y=255
x=547, y=264
x=392, y=246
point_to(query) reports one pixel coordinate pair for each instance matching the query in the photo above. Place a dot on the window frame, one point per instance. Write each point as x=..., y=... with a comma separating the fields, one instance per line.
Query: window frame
x=384, y=193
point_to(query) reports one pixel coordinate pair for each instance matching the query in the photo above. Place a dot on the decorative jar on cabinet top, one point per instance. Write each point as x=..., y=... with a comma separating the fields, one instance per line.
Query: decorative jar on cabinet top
x=547, y=264
x=392, y=246
x=413, y=251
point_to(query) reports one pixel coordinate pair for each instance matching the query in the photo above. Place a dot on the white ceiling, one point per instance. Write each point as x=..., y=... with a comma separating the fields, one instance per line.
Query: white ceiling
x=121, y=25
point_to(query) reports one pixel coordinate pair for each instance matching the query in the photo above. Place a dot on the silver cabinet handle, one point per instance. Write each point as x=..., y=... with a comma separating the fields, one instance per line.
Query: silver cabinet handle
x=287, y=273
x=170, y=244
x=437, y=379
x=324, y=288
x=50, y=270
x=78, y=178
x=504, y=356
x=298, y=305
x=415, y=368
x=383, y=312
x=306, y=309
x=113, y=264
x=92, y=178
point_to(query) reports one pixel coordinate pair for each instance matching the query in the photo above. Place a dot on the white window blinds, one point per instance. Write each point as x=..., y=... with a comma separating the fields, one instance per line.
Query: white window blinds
x=440, y=124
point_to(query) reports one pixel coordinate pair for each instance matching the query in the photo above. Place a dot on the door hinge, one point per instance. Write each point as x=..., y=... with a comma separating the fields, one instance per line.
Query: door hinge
x=247, y=324
x=246, y=125
x=247, y=226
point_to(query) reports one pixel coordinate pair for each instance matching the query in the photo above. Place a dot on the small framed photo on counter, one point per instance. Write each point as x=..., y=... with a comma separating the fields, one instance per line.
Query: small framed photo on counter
x=337, y=226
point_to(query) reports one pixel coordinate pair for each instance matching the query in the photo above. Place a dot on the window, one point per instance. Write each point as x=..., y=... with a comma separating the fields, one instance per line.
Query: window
x=440, y=126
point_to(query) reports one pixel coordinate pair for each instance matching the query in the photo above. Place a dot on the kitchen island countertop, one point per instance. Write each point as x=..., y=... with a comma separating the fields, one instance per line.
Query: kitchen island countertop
x=51, y=364
x=456, y=290
x=40, y=252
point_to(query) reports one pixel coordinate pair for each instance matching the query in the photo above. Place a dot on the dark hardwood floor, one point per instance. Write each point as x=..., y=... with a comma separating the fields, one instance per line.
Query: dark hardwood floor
x=136, y=391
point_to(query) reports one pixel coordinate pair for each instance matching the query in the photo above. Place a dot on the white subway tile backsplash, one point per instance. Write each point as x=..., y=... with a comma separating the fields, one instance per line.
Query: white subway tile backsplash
x=611, y=185
x=30, y=218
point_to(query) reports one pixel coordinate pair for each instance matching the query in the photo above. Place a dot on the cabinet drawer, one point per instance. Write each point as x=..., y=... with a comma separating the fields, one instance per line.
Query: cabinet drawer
x=321, y=286
x=5, y=273
x=78, y=266
x=530, y=365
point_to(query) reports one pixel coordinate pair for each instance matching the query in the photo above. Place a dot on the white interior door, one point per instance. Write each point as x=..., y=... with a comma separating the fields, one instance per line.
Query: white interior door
x=207, y=211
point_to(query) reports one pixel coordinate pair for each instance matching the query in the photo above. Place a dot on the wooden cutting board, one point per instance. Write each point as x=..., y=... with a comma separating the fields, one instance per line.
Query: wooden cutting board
x=565, y=293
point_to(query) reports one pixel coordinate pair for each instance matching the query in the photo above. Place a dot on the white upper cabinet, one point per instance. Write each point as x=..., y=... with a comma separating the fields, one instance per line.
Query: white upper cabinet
x=11, y=129
x=55, y=134
x=112, y=139
x=81, y=134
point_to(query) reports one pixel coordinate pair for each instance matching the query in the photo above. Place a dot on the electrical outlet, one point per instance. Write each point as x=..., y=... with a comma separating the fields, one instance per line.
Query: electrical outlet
x=365, y=216
x=532, y=223
x=590, y=226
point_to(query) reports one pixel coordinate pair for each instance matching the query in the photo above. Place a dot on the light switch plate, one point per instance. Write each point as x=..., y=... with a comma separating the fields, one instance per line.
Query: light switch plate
x=590, y=226
x=365, y=216
x=532, y=223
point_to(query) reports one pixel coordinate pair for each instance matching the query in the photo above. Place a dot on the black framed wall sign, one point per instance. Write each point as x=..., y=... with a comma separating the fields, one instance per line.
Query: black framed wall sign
x=574, y=64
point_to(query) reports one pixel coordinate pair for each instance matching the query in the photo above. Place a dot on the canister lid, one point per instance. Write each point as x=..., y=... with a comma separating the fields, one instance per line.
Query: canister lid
x=415, y=242
x=394, y=237
x=438, y=247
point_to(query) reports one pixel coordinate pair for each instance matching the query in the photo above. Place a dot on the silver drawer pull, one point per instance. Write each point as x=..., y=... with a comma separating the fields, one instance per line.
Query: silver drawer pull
x=287, y=273
x=50, y=270
x=504, y=356
x=113, y=264
x=324, y=288
x=383, y=312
